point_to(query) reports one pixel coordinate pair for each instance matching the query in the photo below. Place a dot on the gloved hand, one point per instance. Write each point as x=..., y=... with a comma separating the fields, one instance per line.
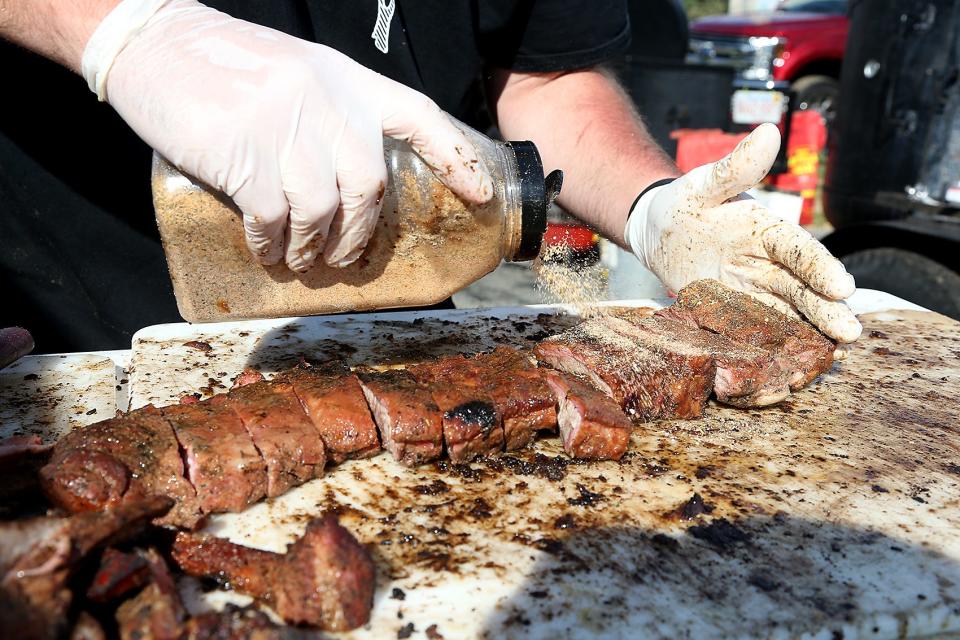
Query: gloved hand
x=292, y=131
x=699, y=226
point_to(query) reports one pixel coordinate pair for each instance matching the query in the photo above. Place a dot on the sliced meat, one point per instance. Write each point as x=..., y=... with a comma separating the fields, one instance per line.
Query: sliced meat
x=747, y=376
x=520, y=393
x=648, y=383
x=801, y=351
x=410, y=422
x=325, y=579
x=156, y=613
x=227, y=470
x=472, y=424
x=592, y=426
x=332, y=398
x=21, y=458
x=281, y=432
x=128, y=457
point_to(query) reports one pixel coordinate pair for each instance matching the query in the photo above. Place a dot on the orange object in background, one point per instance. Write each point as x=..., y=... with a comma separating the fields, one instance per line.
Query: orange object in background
x=808, y=137
x=697, y=147
x=574, y=236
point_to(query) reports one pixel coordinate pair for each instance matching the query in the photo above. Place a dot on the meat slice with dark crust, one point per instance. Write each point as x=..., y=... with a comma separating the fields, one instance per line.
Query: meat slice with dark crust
x=332, y=398
x=801, y=351
x=118, y=574
x=281, y=432
x=520, y=393
x=472, y=424
x=325, y=579
x=648, y=383
x=221, y=462
x=156, y=613
x=747, y=376
x=410, y=422
x=128, y=457
x=592, y=426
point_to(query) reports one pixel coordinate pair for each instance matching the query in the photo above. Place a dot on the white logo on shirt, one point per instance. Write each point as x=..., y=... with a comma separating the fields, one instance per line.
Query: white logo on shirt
x=381, y=30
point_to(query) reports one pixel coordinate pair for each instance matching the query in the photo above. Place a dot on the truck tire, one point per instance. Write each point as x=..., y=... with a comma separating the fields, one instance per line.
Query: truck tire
x=819, y=93
x=908, y=275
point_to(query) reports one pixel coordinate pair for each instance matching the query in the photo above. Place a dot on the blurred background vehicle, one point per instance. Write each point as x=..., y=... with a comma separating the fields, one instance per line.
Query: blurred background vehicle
x=800, y=42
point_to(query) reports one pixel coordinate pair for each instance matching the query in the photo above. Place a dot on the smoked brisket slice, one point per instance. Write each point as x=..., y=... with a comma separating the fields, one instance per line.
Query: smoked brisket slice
x=410, y=422
x=326, y=578
x=747, y=376
x=801, y=351
x=592, y=426
x=333, y=400
x=472, y=424
x=227, y=471
x=648, y=382
x=281, y=432
x=520, y=393
x=124, y=458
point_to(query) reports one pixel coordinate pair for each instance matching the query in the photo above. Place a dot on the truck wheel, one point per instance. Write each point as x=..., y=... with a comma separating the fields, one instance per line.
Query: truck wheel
x=908, y=275
x=818, y=93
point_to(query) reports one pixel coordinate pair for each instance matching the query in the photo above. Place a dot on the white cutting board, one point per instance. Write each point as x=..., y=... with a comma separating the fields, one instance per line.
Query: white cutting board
x=50, y=394
x=841, y=544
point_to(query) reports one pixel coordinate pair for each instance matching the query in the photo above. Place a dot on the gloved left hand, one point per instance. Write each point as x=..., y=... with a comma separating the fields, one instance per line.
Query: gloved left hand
x=701, y=226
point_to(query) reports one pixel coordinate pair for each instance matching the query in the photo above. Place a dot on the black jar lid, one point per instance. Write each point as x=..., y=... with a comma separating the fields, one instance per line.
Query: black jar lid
x=536, y=194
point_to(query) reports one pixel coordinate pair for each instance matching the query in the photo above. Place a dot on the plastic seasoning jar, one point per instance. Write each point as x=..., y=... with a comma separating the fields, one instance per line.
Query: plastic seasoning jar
x=427, y=244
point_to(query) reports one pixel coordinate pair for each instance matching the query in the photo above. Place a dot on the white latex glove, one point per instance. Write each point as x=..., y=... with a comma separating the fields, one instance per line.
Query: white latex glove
x=292, y=131
x=699, y=226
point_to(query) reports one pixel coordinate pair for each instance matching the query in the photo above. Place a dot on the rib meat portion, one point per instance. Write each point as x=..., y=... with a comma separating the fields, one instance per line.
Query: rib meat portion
x=227, y=470
x=39, y=555
x=747, y=376
x=647, y=381
x=129, y=457
x=281, y=432
x=334, y=402
x=325, y=579
x=472, y=424
x=801, y=351
x=157, y=612
x=592, y=426
x=410, y=422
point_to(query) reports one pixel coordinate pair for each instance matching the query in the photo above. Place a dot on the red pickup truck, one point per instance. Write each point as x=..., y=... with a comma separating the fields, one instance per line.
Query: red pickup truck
x=802, y=42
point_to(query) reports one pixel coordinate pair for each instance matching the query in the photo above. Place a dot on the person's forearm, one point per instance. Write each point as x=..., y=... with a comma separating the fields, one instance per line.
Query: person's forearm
x=55, y=29
x=584, y=123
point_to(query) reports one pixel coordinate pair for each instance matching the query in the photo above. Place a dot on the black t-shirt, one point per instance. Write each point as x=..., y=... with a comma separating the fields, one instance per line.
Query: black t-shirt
x=80, y=260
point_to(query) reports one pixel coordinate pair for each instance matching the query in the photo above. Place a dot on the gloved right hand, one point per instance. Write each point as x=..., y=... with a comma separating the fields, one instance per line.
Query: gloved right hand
x=292, y=131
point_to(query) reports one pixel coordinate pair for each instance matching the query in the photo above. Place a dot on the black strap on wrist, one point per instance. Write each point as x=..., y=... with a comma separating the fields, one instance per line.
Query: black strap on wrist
x=649, y=187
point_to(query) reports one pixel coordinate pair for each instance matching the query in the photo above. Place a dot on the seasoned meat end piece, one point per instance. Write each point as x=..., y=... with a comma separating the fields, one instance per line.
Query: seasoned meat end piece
x=325, y=579
x=801, y=351
x=746, y=376
x=334, y=402
x=281, y=432
x=222, y=463
x=472, y=424
x=410, y=422
x=648, y=383
x=518, y=389
x=592, y=426
x=121, y=459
